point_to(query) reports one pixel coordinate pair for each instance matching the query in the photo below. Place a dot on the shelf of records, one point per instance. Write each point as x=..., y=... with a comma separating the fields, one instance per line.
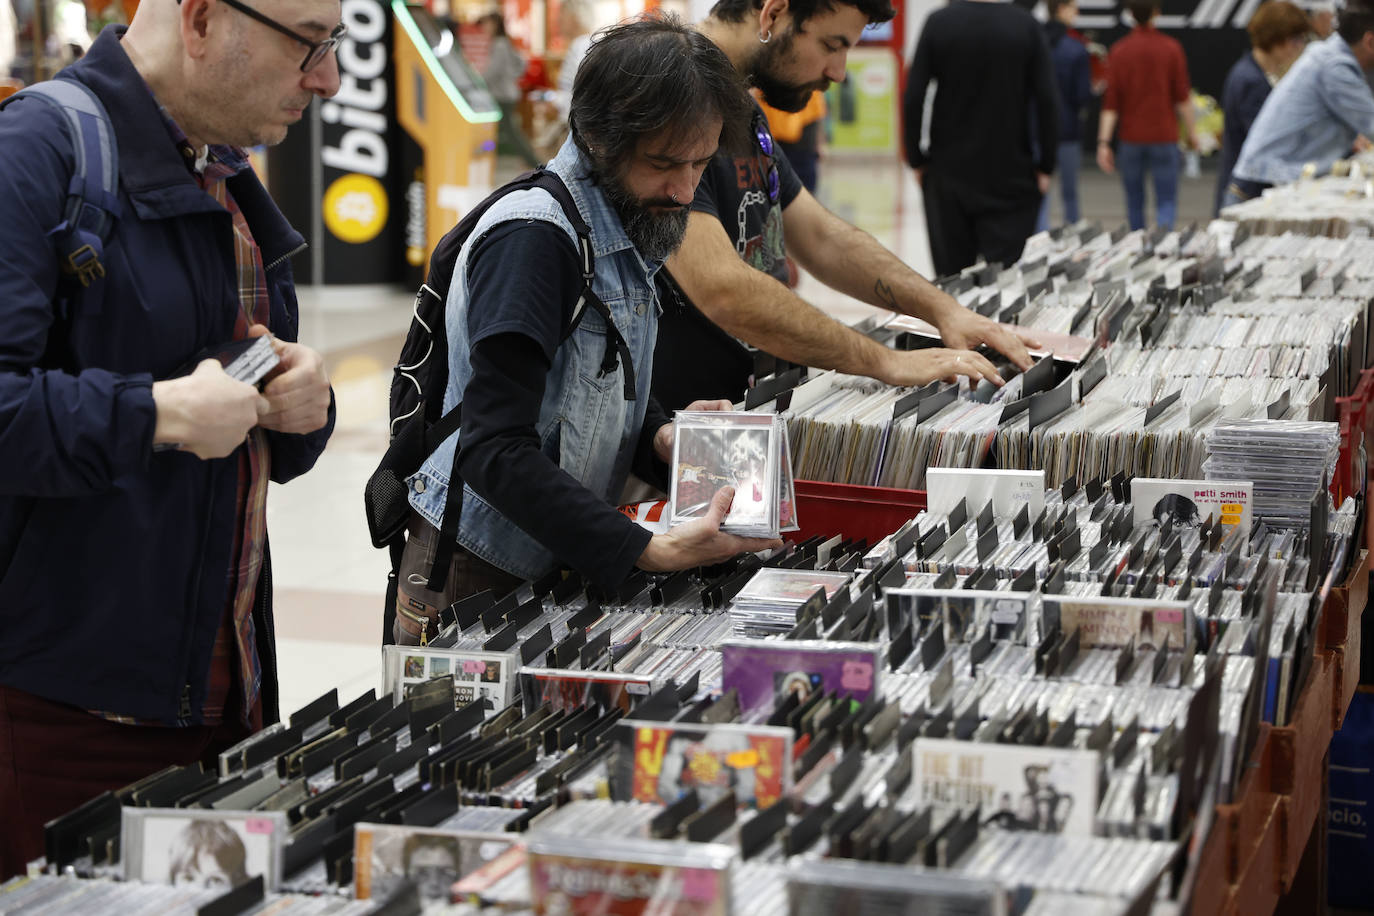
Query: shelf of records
x=1161, y=342
x=1024, y=700
x=1339, y=204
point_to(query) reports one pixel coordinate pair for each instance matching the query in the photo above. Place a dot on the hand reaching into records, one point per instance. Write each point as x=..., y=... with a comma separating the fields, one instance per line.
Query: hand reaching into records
x=701, y=542
x=663, y=439
x=965, y=329
x=297, y=391
x=913, y=368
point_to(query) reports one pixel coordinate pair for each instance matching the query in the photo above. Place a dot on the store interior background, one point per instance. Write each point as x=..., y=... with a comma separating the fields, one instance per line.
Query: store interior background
x=329, y=579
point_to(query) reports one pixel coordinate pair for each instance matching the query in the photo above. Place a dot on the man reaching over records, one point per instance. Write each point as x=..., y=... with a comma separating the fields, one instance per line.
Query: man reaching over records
x=548, y=433
x=728, y=280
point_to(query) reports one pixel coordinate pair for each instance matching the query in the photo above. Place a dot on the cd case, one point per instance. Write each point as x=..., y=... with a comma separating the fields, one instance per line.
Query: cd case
x=747, y=451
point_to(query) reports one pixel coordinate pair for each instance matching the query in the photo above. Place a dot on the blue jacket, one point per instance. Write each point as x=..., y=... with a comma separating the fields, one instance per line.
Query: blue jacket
x=113, y=559
x=1313, y=115
x=585, y=425
x=1072, y=76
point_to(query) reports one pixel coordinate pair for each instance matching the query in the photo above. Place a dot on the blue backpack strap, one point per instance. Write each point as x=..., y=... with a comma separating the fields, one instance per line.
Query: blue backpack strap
x=92, y=207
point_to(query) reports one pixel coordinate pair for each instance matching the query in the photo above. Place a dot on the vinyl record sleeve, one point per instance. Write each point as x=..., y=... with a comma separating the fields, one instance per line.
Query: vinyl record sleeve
x=760, y=669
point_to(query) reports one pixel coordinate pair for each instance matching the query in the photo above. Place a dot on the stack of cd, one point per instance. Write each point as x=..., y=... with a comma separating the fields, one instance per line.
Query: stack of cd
x=769, y=602
x=1289, y=462
x=747, y=451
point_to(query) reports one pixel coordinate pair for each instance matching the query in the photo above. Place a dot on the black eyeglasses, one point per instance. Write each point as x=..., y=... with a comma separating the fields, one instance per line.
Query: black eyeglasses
x=317, y=49
x=765, y=140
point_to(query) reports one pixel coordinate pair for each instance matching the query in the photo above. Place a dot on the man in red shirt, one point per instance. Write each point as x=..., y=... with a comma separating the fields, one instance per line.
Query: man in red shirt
x=1147, y=92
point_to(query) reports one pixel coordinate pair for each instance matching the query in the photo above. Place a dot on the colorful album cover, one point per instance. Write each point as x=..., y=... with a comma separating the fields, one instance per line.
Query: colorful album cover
x=489, y=675
x=569, y=877
x=763, y=669
x=659, y=763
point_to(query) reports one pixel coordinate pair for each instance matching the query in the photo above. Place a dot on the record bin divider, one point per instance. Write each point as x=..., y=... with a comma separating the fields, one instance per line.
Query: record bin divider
x=1341, y=635
x=871, y=513
x=1238, y=871
x=1353, y=416
x=1298, y=765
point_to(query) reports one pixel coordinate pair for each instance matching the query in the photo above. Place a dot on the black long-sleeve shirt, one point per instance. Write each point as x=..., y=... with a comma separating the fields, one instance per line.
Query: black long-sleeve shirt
x=523, y=282
x=994, y=122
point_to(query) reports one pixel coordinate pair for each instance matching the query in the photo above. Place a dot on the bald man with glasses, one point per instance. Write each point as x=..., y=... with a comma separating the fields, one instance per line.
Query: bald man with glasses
x=135, y=581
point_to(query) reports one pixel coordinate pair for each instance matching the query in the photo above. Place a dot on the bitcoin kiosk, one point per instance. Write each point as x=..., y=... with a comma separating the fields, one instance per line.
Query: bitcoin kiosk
x=377, y=174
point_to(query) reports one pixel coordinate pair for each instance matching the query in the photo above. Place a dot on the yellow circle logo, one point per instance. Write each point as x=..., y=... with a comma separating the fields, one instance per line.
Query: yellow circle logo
x=355, y=208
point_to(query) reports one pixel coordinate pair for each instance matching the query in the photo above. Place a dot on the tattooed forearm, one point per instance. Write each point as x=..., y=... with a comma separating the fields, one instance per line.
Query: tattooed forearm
x=885, y=295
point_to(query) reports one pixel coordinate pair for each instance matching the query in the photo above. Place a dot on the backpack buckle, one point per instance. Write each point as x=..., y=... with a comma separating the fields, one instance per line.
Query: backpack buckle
x=85, y=265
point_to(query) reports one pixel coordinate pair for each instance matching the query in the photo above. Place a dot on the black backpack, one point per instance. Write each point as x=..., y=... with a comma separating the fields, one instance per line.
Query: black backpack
x=420, y=378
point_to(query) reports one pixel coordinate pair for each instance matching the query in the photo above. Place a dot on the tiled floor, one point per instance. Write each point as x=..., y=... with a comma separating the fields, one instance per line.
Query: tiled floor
x=330, y=580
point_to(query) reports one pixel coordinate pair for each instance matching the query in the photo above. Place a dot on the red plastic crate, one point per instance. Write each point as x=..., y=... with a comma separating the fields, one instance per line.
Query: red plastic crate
x=871, y=513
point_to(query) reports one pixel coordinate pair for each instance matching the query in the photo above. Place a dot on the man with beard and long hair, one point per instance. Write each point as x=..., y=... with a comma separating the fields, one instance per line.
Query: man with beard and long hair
x=728, y=280
x=548, y=434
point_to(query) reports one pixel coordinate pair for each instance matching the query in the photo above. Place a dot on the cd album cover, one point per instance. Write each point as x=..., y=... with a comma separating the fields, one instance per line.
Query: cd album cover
x=629, y=878
x=712, y=455
x=660, y=763
x=1175, y=504
x=762, y=669
x=1016, y=787
x=1112, y=623
x=565, y=689
x=384, y=855
x=211, y=849
x=489, y=675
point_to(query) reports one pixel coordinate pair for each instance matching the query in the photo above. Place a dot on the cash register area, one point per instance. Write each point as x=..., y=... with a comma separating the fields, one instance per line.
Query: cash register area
x=330, y=581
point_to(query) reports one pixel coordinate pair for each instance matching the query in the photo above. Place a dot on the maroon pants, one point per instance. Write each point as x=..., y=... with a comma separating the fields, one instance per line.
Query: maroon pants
x=54, y=758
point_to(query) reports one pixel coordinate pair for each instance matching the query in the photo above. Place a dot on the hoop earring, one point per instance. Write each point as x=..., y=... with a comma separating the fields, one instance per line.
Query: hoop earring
x=765, y=37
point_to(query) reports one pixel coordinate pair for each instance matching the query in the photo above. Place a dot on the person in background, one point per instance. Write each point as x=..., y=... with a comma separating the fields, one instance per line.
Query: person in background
x=502, y=74
x=994, y=130
x=9, y=38
x=575, y=25
x=1147, y=94
x=1321, y=17
x=799, y=134
x=1073, y=79
x=1278, y=34
x=1316, y=113
x=728, y=280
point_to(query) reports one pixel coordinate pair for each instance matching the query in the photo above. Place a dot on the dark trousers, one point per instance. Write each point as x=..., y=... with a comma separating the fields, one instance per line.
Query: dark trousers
x=962, y=225
x=55, y=758
x=467, y=575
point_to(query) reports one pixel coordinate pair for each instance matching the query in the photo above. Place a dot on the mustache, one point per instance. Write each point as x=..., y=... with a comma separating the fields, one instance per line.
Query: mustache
x=662, y=203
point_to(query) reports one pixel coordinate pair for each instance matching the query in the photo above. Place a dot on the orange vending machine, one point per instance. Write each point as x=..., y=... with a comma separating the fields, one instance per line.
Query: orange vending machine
x=447, y=124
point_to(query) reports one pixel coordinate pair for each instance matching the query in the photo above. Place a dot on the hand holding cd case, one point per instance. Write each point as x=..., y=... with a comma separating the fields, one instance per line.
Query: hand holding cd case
x=747, y=451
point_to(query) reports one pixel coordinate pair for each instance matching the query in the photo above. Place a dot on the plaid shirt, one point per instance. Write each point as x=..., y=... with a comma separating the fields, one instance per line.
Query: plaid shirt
x=234, y=661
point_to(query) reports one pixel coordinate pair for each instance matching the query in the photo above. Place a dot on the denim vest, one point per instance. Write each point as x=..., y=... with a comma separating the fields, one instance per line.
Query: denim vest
x=585, y=425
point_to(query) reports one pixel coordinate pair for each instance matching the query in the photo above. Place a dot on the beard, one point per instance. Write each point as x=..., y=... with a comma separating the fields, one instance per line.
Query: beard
x=778, y=92
x=655, y=234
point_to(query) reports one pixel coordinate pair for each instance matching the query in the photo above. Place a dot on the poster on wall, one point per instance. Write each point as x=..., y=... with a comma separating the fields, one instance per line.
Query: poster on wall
x=863, y=109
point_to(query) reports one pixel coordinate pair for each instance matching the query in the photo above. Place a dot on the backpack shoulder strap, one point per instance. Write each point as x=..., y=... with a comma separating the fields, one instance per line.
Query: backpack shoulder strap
x=551, y=183
x=92, y=206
